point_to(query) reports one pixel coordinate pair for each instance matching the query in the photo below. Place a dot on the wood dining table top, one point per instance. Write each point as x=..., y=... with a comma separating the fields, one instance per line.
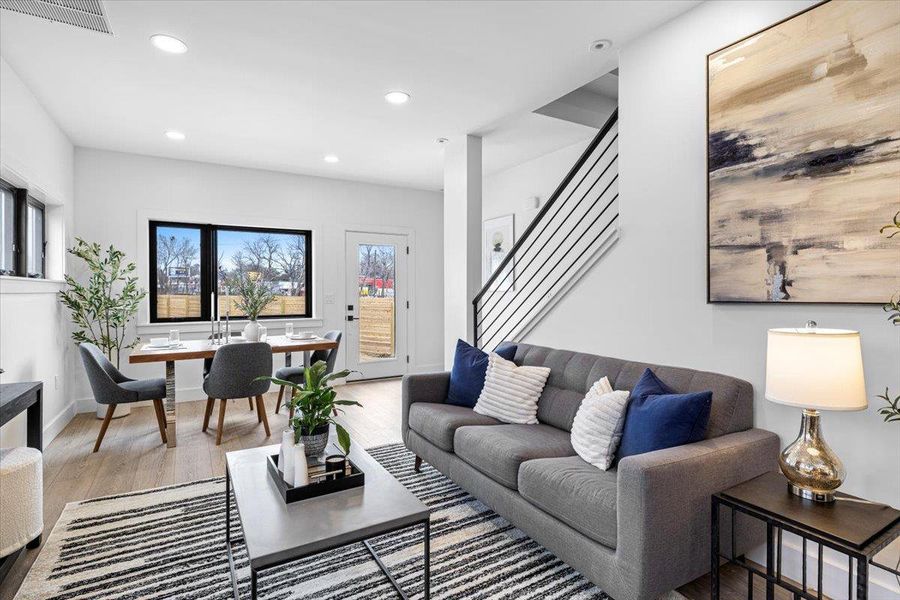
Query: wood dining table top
x=194, y=349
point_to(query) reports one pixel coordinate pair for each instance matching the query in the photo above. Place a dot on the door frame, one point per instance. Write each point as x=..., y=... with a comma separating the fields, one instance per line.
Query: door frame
x=411, y=312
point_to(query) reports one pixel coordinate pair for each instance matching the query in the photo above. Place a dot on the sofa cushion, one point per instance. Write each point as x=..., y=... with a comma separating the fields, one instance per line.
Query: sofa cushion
x=578, y=494
x=498, y=450
x=572, y=373
x=438, y=422
x=469, y=367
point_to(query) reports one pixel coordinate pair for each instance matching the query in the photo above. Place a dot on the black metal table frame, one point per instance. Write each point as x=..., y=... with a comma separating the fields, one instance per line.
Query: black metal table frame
x=772, y=573
x=426, y=523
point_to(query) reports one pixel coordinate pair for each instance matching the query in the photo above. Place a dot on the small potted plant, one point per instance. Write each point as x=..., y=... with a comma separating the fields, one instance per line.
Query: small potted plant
x=253, y=298
x=315, y=406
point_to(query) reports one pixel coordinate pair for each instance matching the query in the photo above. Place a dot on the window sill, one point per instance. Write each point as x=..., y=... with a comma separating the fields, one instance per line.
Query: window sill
x=274, y=326
x=10, y=284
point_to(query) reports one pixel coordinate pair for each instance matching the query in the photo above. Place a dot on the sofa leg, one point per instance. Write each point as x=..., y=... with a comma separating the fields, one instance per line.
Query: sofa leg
x=417, y=467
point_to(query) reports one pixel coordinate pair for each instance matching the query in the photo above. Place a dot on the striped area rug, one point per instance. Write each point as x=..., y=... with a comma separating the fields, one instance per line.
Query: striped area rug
x=168, y=543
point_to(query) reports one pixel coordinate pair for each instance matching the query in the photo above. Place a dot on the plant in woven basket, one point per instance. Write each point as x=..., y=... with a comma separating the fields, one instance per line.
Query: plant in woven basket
x=102, y=308
x=315, y=403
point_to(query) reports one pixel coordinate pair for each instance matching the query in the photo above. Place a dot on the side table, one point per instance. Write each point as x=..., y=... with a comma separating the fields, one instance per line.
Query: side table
x=849, y=525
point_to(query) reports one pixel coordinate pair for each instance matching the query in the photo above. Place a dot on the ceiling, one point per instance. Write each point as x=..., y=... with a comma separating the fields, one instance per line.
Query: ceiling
x=278, y=85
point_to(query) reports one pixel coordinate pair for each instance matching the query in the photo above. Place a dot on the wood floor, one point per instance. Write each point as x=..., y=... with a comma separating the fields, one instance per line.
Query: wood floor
x=133, y=458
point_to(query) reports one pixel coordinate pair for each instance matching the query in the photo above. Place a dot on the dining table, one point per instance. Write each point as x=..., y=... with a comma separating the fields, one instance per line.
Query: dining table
x=199, y=349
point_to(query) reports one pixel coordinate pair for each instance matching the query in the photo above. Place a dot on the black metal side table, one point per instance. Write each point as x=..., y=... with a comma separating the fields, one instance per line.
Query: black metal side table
x=849, y=525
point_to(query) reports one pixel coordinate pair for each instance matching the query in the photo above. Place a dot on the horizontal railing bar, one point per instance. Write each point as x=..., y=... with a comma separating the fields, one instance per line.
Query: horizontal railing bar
x=553, y=268
x=558, y=279
x=593, y=204
x=613, y=118
x=547, y=224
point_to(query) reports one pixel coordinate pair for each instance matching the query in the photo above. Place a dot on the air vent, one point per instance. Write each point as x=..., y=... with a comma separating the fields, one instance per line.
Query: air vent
x=86, y=14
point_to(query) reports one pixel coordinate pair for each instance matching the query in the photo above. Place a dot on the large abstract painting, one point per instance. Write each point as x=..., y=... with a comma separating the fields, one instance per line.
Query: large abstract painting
x=804, y=158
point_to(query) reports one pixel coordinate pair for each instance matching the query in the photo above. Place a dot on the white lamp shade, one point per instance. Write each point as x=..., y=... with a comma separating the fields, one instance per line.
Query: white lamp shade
x=815, y=368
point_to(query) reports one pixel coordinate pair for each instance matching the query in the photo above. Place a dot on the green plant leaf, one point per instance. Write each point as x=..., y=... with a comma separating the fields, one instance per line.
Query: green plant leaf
x=343, y=438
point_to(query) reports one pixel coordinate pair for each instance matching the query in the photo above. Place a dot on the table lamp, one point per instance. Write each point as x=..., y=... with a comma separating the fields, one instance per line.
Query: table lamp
x=814, y=369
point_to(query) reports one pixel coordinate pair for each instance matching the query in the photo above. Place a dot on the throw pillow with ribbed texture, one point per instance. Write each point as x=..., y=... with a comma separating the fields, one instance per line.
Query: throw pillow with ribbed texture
x=511, y=393
x=598, y=424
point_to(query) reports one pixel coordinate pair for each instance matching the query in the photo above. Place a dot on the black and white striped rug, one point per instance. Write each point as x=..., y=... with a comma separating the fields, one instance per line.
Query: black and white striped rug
x=168, y=544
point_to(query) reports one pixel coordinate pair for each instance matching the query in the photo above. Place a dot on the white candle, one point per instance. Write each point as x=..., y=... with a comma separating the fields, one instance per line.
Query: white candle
x=301, y=475
x=286, y=456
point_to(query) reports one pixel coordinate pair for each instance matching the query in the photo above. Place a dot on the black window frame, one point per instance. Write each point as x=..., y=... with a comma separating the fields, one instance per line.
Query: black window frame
x=26, y=246
x=209, y=268
x=20, y=241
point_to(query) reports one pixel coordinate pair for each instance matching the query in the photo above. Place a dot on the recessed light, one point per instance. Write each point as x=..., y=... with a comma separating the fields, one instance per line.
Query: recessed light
x=600, y=45
x=397, y=97
x=331, y=158
x=175, y=135
x=169, y=44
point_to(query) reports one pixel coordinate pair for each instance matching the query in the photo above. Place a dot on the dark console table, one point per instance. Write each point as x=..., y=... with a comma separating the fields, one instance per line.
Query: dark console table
x=857, y=528
x=14, y=399
x=27, y=396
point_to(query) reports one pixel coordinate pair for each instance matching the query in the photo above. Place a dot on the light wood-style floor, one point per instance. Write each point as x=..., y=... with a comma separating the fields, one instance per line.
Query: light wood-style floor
x=133, y=458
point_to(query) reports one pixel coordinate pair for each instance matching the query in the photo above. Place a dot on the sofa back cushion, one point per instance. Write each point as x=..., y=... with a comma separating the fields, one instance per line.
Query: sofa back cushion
x=573, y=373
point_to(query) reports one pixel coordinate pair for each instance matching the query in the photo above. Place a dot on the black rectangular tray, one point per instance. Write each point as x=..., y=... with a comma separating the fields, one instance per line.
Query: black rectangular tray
x=318, y=485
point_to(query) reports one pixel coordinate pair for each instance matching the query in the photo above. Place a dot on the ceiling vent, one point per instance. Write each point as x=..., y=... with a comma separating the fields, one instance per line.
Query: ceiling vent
x=86, y=14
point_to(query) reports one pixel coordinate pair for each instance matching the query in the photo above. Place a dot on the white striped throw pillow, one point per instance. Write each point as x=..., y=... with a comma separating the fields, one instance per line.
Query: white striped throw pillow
x=598, y=424
x=511, y=393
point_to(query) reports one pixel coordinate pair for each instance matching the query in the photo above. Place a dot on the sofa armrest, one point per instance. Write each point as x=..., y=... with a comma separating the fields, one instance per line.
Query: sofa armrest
x=664, y=504
x=422, y=387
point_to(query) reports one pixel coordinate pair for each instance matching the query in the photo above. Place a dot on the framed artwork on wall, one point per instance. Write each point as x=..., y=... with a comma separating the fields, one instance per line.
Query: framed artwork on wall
x=803, y=159
x=498, y=237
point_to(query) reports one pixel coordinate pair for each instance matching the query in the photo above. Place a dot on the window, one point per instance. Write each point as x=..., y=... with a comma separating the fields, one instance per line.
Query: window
x=22, y=235
x=34, y=236
x=190, y=262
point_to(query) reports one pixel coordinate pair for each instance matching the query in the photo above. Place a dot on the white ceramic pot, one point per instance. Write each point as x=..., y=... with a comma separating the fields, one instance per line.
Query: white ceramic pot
x=251, y=331
x=122, y=410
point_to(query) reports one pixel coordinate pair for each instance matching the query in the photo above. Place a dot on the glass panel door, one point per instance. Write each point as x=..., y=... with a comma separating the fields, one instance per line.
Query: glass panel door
x=376, y=304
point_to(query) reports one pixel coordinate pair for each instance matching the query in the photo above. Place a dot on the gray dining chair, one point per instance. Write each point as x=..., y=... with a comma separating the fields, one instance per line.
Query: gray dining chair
x=112, y=388
x=232, y=375
x=296, y=374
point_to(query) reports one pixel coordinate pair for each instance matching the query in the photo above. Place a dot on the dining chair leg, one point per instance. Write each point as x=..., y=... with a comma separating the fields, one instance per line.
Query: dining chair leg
x=210, y=403
x=222, y=403
x=250, y=400
x=160, y=418
x=259, y=412
x=261, y=409
x=110, y=409
x=280, y=395
x=291, y=413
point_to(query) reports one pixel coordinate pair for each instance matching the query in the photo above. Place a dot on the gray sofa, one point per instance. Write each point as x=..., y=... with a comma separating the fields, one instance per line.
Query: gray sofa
x=638, y=530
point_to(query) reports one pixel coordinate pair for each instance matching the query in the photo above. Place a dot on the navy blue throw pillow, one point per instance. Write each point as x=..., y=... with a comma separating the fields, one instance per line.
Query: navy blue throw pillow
x=658, y=418
x=469, y=368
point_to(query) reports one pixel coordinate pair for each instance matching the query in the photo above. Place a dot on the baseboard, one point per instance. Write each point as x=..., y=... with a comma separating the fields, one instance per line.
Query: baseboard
x=59, y=422
x=882, y=585
x=87, y=405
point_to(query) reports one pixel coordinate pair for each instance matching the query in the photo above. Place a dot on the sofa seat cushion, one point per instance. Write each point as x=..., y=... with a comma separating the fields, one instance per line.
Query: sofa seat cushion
x=438, y=422
x=575, y=492
x=498, y=450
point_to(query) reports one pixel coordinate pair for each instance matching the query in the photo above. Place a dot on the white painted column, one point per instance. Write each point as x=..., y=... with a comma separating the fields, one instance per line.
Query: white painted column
x=462, y=238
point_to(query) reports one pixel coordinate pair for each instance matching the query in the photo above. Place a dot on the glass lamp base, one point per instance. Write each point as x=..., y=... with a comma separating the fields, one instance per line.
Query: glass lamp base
x=812, y=469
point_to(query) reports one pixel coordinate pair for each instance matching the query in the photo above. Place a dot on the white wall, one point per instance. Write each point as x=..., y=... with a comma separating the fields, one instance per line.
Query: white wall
x=118, y=193
x=34, y=341
x=658, y=267
x=509, y=191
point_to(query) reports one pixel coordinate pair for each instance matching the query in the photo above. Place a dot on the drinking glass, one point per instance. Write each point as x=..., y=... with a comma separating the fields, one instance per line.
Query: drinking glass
x=288, y=329
x=174, y=337
x=263, y=335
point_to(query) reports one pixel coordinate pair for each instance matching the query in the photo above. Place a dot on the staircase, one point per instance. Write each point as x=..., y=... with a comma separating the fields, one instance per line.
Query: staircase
x=573, y=230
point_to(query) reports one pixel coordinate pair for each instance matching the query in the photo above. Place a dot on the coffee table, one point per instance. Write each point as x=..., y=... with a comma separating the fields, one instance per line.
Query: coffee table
x=276, y=533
